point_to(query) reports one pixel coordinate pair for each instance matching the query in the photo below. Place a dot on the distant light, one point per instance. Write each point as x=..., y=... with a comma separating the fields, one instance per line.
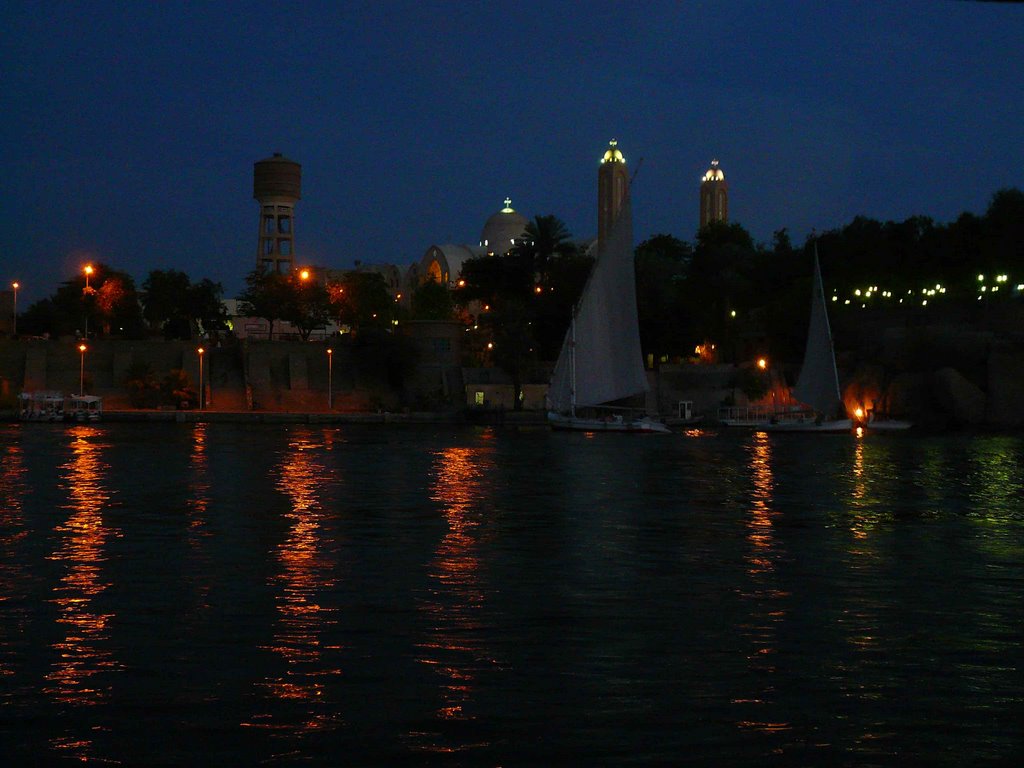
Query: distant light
x=733, y=313
x=981, y=278
x=762, y=363
x=859, y=413
x=835, y=298
x=490, y=345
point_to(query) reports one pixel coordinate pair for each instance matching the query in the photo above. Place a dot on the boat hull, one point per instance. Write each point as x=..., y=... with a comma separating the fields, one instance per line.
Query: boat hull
x=837, y=425
x=612, y=424
x=887, y=425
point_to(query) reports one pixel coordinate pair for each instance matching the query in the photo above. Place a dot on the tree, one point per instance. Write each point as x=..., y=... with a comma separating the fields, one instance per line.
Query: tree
x=665, y=322
x=361, y=299
x=165, y=300
x=432, y=301
x=310, y=307
x=205, y=304
x=173, y=304
x=512, y=345
x=545, y=238
x=720, y=280
x=268, y=295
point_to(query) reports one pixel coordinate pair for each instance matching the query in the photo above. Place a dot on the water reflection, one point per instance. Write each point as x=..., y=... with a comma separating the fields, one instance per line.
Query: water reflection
x=767, y=601
x=454, y=649
x=305, y=574
x=196, y=510
x=83, y=656
x=996, y=479
x=15, y=613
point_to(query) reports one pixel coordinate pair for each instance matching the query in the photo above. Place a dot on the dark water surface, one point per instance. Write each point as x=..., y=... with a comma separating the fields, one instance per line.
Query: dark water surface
x=243, y=595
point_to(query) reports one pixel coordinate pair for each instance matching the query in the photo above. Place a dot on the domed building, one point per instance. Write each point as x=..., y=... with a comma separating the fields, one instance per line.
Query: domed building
x=443, y=263
x=503, y=230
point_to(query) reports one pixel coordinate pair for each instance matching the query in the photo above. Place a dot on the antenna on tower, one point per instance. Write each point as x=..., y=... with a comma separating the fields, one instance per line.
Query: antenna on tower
x=635, y=171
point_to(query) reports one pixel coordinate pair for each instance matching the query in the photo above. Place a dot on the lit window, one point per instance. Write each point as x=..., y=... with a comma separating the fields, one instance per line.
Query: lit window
x=478, y=398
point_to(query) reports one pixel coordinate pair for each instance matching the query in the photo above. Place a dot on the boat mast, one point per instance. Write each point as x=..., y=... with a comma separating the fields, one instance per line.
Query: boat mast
x=572, y=365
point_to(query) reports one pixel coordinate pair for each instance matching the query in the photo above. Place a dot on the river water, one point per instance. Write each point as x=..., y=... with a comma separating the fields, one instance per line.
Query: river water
x=225, y=594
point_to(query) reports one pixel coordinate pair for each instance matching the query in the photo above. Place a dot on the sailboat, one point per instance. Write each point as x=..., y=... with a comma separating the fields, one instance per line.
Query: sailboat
x=818, y=383
x=600, y=360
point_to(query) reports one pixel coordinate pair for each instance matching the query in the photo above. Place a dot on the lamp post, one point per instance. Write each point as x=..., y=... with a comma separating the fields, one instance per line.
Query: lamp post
x=14, y=329
x=85, y=293
x=201, y=388
x=330, y=379
x=81, y=370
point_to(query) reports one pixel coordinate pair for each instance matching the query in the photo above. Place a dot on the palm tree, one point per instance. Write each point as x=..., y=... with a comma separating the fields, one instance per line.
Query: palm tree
x=544, y=238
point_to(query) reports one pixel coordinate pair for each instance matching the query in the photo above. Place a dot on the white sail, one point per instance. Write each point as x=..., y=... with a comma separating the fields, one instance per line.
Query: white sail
x=818, y=383
x=603, y=342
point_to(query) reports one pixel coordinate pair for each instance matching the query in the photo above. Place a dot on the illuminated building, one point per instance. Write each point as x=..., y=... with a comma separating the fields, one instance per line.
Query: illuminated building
x=612, y=189
x=714, y=196
x=276, y=186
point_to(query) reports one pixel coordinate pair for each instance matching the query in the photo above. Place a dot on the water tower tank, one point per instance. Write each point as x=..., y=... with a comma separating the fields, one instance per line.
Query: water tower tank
x=277, y=178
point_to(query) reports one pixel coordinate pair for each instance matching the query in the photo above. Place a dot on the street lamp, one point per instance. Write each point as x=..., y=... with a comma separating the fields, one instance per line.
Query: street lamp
x=330, y=379
x=81, y=370
x=88, y=271
x=14, y=330
x=201, y=388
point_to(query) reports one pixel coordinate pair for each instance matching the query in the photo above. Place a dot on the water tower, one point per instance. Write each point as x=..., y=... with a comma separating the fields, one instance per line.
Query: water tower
x=276, y=185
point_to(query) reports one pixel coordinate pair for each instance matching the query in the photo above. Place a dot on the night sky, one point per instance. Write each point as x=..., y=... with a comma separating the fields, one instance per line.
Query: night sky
x=130, y=132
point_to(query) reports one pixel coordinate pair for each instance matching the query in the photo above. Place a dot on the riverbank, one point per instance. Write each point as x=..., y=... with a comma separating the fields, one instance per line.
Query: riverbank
x=520, y=418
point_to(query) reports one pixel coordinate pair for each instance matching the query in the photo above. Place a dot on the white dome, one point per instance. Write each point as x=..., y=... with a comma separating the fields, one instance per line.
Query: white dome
x=502, y=230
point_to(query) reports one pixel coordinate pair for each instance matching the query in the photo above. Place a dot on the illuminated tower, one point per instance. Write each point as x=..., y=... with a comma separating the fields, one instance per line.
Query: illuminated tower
x=612, y=189
x=276, y=184
x=714, y=196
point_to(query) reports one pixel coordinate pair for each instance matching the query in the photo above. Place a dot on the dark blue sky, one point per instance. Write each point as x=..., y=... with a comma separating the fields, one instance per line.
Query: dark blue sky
x=130, y=131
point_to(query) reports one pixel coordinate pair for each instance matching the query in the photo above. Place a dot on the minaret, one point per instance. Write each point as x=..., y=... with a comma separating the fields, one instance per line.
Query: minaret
x=276, y=185
x=612, y=190
x=714, y=196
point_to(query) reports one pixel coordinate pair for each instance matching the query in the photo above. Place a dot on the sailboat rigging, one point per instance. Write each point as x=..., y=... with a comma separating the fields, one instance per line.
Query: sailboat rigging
x=600, y=360
x=818, y=383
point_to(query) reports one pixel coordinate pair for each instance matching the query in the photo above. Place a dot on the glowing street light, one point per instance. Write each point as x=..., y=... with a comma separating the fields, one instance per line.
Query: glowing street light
x=88, y=271
x=762, y=363
x=330, y=379
x=15, y=286
x=81, y=370
x=304, y=274
x=201, y=387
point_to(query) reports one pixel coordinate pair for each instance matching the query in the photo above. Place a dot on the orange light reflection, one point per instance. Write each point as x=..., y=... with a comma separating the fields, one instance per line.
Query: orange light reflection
x=453, y=649
x=305, y=574
x=13, y=489
x=767, y=606
x=77, y=676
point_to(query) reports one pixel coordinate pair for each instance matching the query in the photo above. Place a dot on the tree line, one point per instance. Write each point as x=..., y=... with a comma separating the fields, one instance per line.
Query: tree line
x=722, y=289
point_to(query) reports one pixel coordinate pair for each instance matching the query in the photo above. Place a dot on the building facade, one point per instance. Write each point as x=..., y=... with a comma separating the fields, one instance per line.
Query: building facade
x=714, y=196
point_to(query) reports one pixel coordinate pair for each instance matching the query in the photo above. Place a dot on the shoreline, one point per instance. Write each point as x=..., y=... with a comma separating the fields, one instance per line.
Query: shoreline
x=521, y=418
